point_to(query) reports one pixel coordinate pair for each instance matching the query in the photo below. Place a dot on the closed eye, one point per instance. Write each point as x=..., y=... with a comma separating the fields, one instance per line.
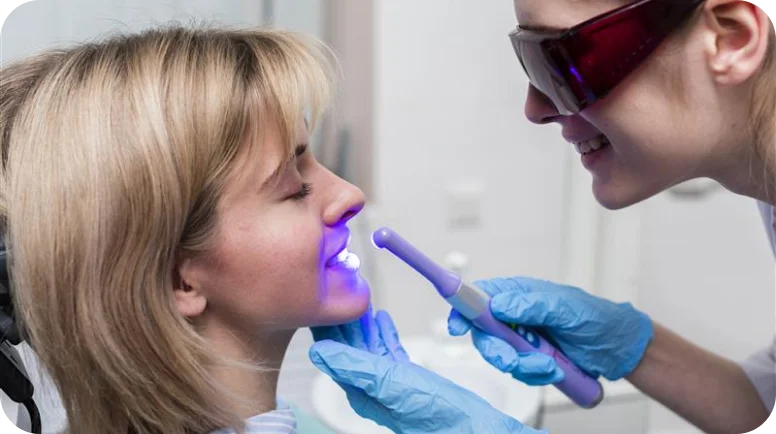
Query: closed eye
x=305, y=191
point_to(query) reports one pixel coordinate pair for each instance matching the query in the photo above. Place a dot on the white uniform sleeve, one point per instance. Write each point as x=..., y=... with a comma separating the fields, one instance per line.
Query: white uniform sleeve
x=767, y=214
x=761, y=367
x=761, y=370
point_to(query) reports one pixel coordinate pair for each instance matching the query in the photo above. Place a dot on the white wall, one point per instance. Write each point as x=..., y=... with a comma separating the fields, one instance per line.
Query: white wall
x=300, y=15
x=449, y=108
x=39, y=24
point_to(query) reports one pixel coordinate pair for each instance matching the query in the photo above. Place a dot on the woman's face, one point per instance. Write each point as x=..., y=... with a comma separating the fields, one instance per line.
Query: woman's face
x=666, y=123
x=278, y=261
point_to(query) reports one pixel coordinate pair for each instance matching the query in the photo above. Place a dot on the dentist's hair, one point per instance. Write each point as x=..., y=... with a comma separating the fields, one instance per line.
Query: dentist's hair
x=763, y=108
x=762, y=93
x=114, y=156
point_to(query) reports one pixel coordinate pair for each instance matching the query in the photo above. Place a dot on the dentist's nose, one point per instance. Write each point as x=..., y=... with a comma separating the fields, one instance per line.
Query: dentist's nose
x=539, y=109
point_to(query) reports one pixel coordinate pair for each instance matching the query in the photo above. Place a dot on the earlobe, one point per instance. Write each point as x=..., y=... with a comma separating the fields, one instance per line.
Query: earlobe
x=190, y=300
x=738, y=40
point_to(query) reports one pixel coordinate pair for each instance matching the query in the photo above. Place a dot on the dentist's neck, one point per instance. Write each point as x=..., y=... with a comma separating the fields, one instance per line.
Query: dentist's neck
x=748, y=184
x=752, y=173
x=746, y=164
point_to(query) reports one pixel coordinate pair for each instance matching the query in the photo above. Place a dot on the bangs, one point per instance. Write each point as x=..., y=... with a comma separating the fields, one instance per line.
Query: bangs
x=289, y=80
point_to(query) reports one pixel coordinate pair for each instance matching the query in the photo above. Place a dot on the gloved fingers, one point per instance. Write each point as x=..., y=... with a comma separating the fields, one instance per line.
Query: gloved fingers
x=457, y=324
x=543, y=309
x=520, y=284
x=539, y=380
x=499, y=285
x=333, y=333
x=362, y=333
x=537, y=369
x=390, y=337
x=353, y=334
x=495, y=351
x=370, y=333
x=527, y=367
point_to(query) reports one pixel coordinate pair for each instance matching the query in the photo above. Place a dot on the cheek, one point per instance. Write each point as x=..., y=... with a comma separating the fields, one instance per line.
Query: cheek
x=266, y=270
x=643, y=122
x=645, y=157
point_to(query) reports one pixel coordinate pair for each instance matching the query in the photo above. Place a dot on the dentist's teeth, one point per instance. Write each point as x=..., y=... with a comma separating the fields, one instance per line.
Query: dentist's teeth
x=583, y=147
x=591, y=145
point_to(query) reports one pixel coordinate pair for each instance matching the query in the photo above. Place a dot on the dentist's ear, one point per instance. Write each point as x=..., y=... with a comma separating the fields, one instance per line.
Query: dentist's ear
x=190, y=300
x=736, y=40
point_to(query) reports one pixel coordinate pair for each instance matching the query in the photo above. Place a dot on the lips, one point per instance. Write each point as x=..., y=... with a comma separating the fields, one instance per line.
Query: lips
x=341, y=256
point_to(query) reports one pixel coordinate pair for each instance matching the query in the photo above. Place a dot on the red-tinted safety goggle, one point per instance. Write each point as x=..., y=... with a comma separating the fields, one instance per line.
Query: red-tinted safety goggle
x=578, y=66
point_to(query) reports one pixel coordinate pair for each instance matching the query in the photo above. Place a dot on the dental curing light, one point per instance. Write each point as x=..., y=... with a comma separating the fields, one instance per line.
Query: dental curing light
x=473, y=303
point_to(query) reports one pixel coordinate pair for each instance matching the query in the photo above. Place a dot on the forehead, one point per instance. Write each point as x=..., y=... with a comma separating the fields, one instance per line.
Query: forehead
x=561, y=13
x=262, y=155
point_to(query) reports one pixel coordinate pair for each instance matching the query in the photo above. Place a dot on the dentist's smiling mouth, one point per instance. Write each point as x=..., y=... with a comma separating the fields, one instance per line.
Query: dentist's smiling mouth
x=592, y=150
x=587, y=147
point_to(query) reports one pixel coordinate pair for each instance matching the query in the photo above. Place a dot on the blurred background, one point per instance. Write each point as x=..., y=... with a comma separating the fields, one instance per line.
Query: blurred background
x=429, y=123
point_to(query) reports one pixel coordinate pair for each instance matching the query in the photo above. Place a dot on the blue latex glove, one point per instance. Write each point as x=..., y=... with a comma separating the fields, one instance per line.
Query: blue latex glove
x=373, y=333
x=599, y=336
x=384, y=386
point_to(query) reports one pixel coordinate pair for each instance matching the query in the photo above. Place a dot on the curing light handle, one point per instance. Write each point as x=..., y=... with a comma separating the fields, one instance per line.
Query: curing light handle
x=474, y=304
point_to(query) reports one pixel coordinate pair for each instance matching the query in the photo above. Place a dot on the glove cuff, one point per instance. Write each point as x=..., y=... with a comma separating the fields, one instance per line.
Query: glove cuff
x=635, y=352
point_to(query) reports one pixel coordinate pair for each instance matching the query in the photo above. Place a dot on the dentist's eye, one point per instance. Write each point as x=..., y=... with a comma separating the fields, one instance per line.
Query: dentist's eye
x=305, y=191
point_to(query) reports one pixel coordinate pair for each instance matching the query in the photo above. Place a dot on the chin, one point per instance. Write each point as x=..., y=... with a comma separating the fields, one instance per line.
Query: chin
x=343, y=306
x=341, y=315
x=617, y=198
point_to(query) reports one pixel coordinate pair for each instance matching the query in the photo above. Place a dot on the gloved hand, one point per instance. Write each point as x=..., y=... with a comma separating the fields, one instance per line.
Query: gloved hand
x=383, y=385
x=599, y=336
x=373, y=333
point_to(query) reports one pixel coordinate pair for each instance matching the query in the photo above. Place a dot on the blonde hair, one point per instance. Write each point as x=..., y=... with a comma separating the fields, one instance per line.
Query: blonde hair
x=114, y=156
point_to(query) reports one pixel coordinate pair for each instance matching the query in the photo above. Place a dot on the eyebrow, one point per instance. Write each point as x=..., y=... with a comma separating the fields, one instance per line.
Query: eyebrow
x=278, y=172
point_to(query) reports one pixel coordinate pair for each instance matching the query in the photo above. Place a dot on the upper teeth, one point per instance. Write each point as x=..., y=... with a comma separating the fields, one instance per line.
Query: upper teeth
x=343, y=255
x=345, y=258
x=591, y=145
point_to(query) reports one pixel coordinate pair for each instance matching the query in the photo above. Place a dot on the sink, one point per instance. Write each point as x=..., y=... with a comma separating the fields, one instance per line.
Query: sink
x=454, y=359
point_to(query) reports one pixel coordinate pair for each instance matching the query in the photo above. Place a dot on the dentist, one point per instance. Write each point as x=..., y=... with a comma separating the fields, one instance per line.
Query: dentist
x=609, y=72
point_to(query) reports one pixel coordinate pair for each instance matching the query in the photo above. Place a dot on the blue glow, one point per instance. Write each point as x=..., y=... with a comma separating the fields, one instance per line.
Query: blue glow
x=585, y=88
x=576, y=74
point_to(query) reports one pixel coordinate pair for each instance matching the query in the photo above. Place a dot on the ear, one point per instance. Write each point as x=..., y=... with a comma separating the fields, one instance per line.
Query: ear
x=190, y=299
x=737, y=40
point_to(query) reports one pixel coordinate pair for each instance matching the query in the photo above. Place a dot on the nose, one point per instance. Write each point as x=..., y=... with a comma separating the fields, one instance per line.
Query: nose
x=539, y=109
x=346, y=202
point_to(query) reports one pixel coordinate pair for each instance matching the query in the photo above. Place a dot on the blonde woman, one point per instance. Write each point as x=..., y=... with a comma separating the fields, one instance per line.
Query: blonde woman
x=169, y=229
